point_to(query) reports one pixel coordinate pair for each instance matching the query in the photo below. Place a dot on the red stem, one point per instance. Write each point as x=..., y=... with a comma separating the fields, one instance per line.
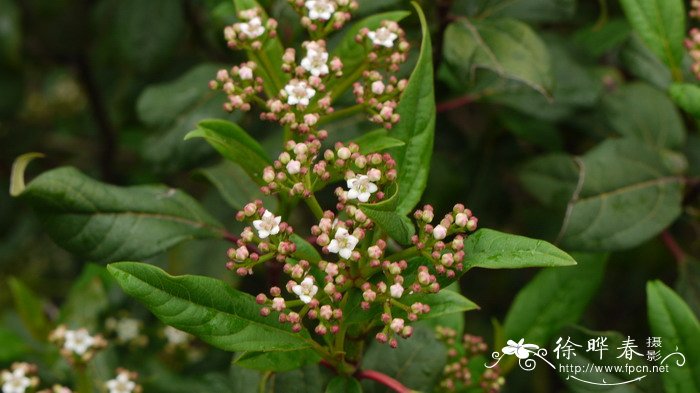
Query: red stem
x=454, y=103
x=673, y=247
x=384, y=379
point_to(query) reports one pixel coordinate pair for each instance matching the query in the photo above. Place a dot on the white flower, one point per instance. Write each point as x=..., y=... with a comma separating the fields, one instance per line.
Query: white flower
x=306, y=290
x=320, y=9
x=253, y=28
x=519, y=349
x=268, y=225
x=439, y=232
x=15, y=382
x=315, y=61
x=246, y=73
x=293, y=167
x=128, y=329
x=343, y=244
x=175, y=336
x=361, y=188
x=299, y=92
x=121, y=384
x=396, y=290
x=383, y=37
x=78, y=341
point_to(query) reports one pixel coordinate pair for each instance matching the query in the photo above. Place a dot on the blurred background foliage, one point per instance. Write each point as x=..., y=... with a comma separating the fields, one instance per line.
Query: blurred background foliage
x=112, y=86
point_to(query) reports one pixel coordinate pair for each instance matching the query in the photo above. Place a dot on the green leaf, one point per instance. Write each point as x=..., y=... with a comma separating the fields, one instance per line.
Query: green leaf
x=445, y=302
x=342, y=384
x=30, y=308
x=551, y=179
x=210, y=309
x=376, y=141
x=553, y=299
x=396, y=225
x=639, y=60
x=277, y=360
x=417, y=362
x=530, y=10
x=235, y=186
x=491, y=249
x=143, y=44
x=102, y=222
x=661, y=24
x=87, y=299
x=596, y=39
x=454, y=320
x=234, y=144
x=13, y=346
x=627, y=195
x=416, y=127
x=17, y=185
x=686, y=96
x=509, y=48
x=672, y=320
x=305, y=250
x=640, y=111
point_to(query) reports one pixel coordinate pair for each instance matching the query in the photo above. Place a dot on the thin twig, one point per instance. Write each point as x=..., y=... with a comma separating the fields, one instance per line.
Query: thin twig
x=673, y=247
x=384, y=379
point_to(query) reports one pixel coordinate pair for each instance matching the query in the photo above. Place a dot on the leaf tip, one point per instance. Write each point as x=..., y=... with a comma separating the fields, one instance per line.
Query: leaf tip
x=17, y=184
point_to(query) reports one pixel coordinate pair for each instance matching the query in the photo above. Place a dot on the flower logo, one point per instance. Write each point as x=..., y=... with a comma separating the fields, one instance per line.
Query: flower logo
x=519, y=349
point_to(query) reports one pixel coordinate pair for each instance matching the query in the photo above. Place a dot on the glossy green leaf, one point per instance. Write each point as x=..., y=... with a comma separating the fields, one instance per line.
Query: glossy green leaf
x=417, y=362
x=450, y=320
x=529, y=10
x=641, y=62
x=143, y=44
x=308, y=379
x=443, y=303
x=385, y=215
x=672, y=320
x=234, y=144
x=554, y=298
x=551, y=179
x=376, y=141
x=102, y=222
x=30, y=308
x=627, y=195
x=277, y=360
x=506, y=47
x=661, y=24
x=686, y=96
x=416, y=127
x=235, y=186
x=341, y=384
x=491, y=249
x=10, y=32
x=640, y=111
x=305, y=250
x=210, y=309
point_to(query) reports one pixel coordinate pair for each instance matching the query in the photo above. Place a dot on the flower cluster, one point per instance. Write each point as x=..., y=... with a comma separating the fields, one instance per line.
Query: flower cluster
x=77, y=345
x=378, y=91
x=458, y=372
x=320, y=17
x=252, y=31
x=127, y=331
x=447, y=256
x=692, y=42
x=19, y=378
x=124, y=382
x=240, y=84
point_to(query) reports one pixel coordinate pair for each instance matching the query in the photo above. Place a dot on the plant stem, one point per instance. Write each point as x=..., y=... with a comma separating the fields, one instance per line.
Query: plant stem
x=83, y=383
x=315, y=207
x=345, y=84
x=404, y=254
x=673, y=247
x=341, y=113
x=263, y=381
x=261, y=57
x=384, y=379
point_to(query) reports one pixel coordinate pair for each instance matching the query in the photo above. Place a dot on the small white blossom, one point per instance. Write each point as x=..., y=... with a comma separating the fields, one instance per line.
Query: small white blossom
x=383, y=37
x=439, y=232
x=78, y=341
x=343, y=244
x=299, y=92
x=15, y=382
x=320, y=9
x=253, y=28
x=121, y=384
x=316, y=60
x=519, y=349
x=128, y=329
x=396, y=290
x=278, y=304
x=397, y=324
x=293, y=167
x=246, y=73
x=361, y=188
x=306, y=290
x=175, y=336
x=268, y=225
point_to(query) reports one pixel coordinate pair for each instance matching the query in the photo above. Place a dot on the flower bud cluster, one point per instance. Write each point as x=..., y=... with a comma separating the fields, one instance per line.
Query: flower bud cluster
x=447, y=256
x=252, y=30
x=291, y=172
x=77, y=346
x=458, y=372
x=240, y=84
x=366, y=175
x=379, y=91
x=692, y=44
x=320, y=17
x=268, y=239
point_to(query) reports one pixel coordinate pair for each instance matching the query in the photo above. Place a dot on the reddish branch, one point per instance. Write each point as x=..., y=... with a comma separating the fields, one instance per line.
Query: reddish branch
x=454, y=103
x=384, y=379
x=673, y=247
